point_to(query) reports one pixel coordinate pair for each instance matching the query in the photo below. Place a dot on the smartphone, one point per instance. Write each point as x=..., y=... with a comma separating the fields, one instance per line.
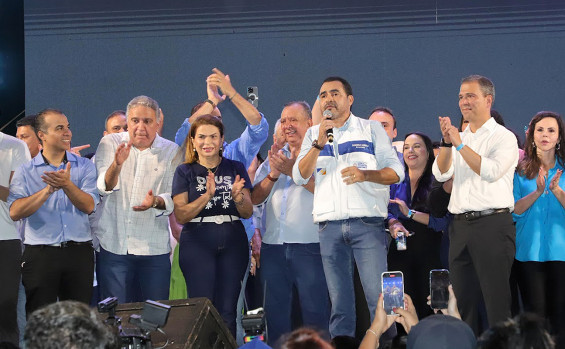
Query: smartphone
x=253, y=95
x=439, y=294
x=393, y=290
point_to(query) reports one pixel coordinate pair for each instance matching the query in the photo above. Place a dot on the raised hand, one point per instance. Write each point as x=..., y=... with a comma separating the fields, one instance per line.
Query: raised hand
x=210, y=185
x=146, y=203
x=541, y=180
x=76, y=150
x=122, y=153
x=281, y=163
x=214, y=94
x=408, y=316
x=444, y=126
x=58, y=179
x=236, y=189
x=401, y=205
x=222, y=81
x=554, y=184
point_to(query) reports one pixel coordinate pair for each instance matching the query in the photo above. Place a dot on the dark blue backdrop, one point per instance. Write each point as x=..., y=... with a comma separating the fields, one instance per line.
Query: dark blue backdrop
x=89, y=58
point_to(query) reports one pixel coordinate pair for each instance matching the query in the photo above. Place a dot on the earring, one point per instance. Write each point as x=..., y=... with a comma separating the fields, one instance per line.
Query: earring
x=221, y=150
x=534, y=144
x=558, y=146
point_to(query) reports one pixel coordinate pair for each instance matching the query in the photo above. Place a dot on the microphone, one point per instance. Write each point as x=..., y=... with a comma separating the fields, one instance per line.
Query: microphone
x=329, y=132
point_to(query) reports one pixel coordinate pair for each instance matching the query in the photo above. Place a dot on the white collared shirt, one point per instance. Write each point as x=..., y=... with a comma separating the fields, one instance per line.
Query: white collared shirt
x=288, y=210
x=120, y=229
x=492, y=189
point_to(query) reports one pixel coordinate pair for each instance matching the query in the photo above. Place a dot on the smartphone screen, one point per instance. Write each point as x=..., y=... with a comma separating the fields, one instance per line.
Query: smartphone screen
x=439, y=294
x=393, y=290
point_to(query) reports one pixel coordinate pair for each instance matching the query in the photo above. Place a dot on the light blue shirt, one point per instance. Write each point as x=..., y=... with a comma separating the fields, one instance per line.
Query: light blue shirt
x=57, y=220
x=540, y=230
x=243, y=149
x=288, y=210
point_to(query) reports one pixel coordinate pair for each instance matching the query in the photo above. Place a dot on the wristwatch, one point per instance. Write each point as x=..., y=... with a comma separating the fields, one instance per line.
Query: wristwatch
x=445, y=145
x=316, y=145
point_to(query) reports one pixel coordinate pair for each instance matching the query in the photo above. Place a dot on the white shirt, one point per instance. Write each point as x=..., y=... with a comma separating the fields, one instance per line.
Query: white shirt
x=13, y=153
x=120, y=229
x=361, y=143
x=498, y=149
x=288, y=210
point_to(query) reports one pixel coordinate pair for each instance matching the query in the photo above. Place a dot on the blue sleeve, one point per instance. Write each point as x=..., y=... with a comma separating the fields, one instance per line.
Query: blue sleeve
x=88, y=178
x=245, y=148
x=440, y=223
x=384, y=152
x=182, y=132
x=18, y=187
x=517, y=191
x=242, y=172
x=391, y=211
x=180, y=182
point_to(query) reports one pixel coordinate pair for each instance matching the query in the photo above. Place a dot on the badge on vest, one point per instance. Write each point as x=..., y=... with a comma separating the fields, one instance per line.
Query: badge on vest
x=360, y=165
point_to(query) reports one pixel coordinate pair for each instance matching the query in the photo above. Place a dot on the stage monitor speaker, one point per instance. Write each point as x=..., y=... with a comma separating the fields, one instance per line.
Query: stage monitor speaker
x=193, y=323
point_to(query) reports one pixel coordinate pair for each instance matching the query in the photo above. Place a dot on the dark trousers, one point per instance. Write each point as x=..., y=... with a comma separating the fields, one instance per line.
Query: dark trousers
x=49, y=273
x=542, y=286
x=213, y=259
x=481, y=253
x=10, y=274
x=287, y=265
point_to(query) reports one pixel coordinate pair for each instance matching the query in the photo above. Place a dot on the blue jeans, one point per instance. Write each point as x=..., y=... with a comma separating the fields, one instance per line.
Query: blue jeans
x=116, y=274
x=287, y=265
x=342, y=242
x=213, y=259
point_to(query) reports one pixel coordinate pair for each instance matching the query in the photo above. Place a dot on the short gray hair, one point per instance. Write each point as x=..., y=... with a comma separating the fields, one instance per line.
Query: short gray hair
x=487, y=87
x=146, y=102
x=277, y=125
x=305, y=106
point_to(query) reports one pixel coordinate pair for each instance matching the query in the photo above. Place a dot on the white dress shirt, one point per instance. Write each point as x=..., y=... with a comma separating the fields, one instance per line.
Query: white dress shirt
x=492, y=189
x=120, y=229
x=288, y=210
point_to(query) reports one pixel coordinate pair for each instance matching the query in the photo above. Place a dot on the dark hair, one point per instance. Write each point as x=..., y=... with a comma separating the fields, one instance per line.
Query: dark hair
x=487, y=87
x=191, y=155
x=27, y=121
x=530, y=164
x=113, y=114
x=525, y=331
x=304, y=338
x=420, y=197
x=40, y=125
x=305, y=106
x=461, y=122
x=497, y=117
x=346, y=85
x=67, y=324
x=196, y=107
x=384, y=110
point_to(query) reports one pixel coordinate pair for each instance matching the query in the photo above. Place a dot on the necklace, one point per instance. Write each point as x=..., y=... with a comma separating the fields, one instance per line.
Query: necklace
x=217, y=167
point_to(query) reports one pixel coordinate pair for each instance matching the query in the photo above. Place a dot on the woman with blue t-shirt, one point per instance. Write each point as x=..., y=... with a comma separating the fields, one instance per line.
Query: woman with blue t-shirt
x=540, y=220
x=211, y=194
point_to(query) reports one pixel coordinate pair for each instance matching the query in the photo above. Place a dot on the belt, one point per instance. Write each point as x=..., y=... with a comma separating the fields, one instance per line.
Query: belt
x=472, y=215
x=63, y=244
x=219, y=219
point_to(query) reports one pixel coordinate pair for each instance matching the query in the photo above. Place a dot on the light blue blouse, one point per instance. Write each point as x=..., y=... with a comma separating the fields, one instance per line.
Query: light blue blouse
x=540, y=230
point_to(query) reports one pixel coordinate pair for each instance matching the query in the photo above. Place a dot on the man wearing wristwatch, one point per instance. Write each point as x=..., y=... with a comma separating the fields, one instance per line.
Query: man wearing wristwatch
x=352, y=175
x=481, y=160
x=290, y=248
x=135, y=175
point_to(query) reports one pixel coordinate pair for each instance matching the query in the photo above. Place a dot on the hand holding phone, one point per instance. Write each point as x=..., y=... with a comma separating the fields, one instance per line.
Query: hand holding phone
x=393, y=291
x=439, y=293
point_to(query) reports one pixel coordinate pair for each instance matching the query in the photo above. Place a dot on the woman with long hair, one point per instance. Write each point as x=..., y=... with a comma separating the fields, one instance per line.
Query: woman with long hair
x=409, y=214
x=539, y=214
x=211, y=194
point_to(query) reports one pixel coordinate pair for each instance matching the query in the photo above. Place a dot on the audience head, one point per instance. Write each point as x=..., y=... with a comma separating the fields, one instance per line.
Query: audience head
x=143, y=121
x=296, y=118
x=476, y=97
x=545, y=133
x=418, y=151
x=52, y=129
x=26, y=132
x=116, y=122
x=305, y=338
x=497, y=117
x=441, y=331
x=385, y=116
x=525, y=331
x=213, y=127
x=67, y=324
x=336, y=95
